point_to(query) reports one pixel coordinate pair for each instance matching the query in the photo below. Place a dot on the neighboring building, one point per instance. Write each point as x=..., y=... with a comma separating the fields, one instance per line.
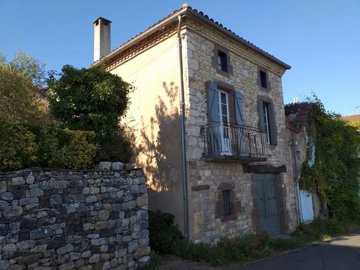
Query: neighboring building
x=355, y=118
x=298, y=123
x=236, y=168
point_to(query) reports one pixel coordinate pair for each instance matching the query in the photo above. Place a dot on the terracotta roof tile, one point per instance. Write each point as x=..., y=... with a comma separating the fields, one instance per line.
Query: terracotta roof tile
x=200, y=14
x=352, y=118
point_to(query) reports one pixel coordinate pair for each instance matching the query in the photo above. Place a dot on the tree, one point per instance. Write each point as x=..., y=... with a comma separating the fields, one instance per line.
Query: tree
x=21, y=95
x=91, y=99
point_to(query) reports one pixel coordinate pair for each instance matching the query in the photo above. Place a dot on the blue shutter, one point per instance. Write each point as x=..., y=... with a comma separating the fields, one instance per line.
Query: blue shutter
x=238, y=108
x=261, y=115
x=213, y=103
x=272, y=123
x=241, y=145
x=214, y=138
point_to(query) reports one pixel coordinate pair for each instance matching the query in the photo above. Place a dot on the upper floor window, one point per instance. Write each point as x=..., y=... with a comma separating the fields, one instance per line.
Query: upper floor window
x=222, y=61
x=224, y=117
x=263, y=79
x=267, y=122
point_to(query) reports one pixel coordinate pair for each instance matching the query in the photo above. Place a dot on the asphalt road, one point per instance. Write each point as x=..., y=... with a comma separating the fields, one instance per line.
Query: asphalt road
x=342, y=253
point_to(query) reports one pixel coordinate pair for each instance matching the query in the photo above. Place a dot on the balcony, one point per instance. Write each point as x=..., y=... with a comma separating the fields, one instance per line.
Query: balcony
x=229, y=143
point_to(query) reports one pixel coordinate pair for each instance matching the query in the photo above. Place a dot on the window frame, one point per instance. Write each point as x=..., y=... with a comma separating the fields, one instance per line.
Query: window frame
x=218, y=49
x=222, y=61
x=227, y=202
x=267, y=122
x=260, y=80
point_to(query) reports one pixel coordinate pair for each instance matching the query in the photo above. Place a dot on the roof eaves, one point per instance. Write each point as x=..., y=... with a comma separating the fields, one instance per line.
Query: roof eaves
x=198, y=14
x=232, y=34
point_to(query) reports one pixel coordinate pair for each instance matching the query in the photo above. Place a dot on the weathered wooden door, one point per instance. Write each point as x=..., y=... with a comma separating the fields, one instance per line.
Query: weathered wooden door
x=267, y=204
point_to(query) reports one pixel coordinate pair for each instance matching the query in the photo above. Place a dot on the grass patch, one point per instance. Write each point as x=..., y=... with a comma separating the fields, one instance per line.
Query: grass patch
x=323, y=230
x=283, y=244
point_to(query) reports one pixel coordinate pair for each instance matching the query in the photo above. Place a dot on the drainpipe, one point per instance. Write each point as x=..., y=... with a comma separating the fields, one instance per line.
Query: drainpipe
x=183, y=144
x=296, y=178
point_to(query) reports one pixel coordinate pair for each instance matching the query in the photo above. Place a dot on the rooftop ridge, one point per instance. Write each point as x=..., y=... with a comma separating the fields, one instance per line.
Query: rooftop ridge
x=187, y=8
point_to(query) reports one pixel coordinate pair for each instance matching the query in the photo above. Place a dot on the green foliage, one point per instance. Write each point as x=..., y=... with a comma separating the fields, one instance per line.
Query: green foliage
x=282, y=244
x=17, y=147
x=28, y=146
x=321, y=229
x=119, y=148
x=89, y=99
x=154, y=262
x=20, y=91
x=335, y=174
x=163, y=232
x=166, y=239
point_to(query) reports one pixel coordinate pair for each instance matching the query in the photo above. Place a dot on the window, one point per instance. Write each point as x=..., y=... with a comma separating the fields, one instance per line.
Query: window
x=263, y=79
x=224, y=106
x=267, y=121
x=227, y=205
x=222, y=61
x=226, y=200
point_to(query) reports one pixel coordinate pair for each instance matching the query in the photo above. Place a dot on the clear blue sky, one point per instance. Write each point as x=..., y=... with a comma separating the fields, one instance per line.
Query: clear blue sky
x=319, y=39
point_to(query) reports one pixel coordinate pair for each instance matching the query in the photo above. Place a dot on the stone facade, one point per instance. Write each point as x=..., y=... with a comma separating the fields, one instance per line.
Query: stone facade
x=200, y=41
x=73, y=219
x=150, y=62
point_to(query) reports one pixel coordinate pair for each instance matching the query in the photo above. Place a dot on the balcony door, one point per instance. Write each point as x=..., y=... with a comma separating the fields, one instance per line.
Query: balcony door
x=225, y=132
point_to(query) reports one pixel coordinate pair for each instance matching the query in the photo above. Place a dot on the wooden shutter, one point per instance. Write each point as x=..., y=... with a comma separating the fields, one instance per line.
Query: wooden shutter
x=238, y=108
x=261, y=115
x=272, y=123
x=212, y=103
x=213, y=136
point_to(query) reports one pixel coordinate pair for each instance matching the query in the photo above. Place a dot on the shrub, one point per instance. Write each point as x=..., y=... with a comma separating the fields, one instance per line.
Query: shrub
x=250, y=246
x=17, y=147
x=165, y=238
x=119, y=148
x=163, y=233
x=93, y=100
x=153, y=263
x=77, y=153
x=28, y=146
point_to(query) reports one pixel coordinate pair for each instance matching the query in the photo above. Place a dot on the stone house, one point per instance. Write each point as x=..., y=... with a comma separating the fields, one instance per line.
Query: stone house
x=208, y=115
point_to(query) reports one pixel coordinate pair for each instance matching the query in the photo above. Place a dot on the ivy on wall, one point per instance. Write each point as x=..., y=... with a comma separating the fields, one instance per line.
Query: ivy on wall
x=335, y=174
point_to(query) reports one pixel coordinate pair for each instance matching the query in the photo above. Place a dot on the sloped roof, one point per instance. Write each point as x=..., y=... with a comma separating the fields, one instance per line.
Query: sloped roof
x=186, y=10
x=352, y=118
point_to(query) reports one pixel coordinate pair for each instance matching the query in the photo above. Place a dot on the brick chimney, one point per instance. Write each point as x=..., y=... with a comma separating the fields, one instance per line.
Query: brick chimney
x=101, y=38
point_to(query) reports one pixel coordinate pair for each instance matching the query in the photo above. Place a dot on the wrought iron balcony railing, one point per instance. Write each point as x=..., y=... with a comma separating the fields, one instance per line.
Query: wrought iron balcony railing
x=227, y=141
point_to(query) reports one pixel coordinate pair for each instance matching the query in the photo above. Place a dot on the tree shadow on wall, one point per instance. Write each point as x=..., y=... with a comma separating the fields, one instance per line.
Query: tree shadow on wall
x=159, y=150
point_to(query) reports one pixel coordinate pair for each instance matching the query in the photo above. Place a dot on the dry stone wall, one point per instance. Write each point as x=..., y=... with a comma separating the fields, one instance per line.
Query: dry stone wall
x=61, y=219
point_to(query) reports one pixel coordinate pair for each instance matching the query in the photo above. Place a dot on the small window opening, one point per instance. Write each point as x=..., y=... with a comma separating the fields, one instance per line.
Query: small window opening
x=226, y=199
x=222, y=61
x=263, y=79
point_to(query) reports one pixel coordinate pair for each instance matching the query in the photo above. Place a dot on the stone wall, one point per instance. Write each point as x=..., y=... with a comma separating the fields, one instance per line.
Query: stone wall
x=62, y=219
x=206, y=178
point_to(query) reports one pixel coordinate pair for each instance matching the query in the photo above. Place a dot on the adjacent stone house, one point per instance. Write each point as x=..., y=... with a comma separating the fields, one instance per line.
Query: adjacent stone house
x=208, y=115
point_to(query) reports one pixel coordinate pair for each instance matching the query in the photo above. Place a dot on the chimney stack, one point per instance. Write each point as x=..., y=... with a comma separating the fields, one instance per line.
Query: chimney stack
x=101, y=38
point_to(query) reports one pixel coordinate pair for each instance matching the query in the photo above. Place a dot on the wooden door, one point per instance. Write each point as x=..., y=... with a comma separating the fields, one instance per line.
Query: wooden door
x=267, y=204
